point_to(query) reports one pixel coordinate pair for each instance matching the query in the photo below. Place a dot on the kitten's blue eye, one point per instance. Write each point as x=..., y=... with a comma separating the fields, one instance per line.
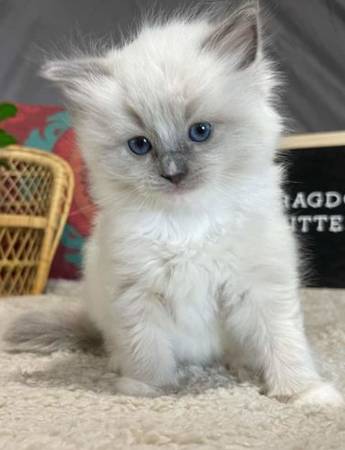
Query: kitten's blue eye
x=200, y=132
x=140, y=145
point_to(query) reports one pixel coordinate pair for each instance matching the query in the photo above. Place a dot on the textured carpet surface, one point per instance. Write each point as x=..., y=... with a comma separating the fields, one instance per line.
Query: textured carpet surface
x=67, y=401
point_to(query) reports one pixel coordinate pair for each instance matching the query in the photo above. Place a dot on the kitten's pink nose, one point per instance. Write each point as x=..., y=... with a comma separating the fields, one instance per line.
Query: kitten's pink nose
x=176, y=178
x=173, y=167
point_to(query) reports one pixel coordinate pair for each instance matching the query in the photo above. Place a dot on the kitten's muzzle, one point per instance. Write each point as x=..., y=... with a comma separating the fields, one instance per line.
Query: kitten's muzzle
x=174, y=179
x=173, y=168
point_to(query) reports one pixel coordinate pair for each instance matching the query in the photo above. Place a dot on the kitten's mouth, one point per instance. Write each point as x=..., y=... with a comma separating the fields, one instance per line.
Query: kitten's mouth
x=177, y=190
x=180, y=189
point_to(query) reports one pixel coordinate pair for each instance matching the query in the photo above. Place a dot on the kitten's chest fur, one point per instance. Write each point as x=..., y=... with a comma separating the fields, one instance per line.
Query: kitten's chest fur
x=191, y=291
x=186, y=253
x=182, y=267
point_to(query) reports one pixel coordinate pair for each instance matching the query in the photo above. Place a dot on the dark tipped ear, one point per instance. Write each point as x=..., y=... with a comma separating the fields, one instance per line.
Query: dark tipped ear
x=71, y=75
x=237, y=34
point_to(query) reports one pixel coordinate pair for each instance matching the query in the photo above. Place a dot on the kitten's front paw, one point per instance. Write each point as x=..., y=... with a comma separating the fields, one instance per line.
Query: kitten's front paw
x=129, y=386
x=322, y=394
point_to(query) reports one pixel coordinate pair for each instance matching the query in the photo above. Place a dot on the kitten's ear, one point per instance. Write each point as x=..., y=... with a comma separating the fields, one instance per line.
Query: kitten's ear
x=238, y=33
x=72, y=75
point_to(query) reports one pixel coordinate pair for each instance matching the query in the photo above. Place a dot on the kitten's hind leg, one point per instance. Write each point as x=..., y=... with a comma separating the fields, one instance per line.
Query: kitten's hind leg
x=143, y=352
x=267, y=324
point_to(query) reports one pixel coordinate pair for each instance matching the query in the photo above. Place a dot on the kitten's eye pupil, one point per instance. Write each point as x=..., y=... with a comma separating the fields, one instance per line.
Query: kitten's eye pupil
x=140, y=145
x=200, y=132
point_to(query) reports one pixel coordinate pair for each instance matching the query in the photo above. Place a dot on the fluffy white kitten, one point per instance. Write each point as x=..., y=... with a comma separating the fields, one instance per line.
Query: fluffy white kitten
x=191, y=259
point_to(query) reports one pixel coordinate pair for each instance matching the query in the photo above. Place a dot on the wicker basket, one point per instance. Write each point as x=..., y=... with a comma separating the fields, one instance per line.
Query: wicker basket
x=36, y=191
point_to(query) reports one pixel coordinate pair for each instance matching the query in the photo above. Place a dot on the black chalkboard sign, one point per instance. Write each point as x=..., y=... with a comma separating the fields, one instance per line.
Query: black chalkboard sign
x=314, y=197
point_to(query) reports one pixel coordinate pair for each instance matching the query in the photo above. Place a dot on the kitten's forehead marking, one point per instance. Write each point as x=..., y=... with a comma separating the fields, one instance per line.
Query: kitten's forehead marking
x=135, y=116
x=164, y=117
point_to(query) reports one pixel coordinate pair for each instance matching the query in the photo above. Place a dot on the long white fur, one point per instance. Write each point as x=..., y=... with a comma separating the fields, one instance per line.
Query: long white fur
x=206, y=274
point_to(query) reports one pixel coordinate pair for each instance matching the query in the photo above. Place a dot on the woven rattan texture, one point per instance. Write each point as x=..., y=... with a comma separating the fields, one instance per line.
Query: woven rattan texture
x=35, y=195
x=26, y=188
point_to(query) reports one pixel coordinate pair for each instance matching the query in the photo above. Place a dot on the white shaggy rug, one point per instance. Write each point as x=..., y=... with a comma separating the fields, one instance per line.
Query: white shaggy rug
x=67, y=401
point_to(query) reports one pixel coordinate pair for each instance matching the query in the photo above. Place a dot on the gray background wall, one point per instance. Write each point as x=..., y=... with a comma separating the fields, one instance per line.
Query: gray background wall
x=308, y=41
